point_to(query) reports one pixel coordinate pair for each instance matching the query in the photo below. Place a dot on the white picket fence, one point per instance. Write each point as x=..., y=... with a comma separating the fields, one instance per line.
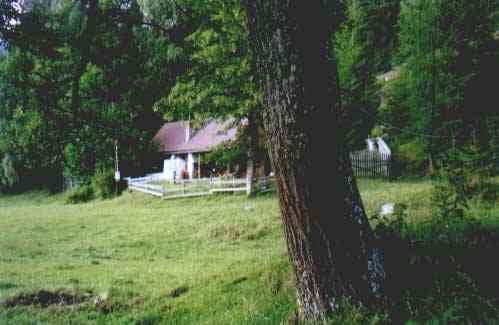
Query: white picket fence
x=157, y=186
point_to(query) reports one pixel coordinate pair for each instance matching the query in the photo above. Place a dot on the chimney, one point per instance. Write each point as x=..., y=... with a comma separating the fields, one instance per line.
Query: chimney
x=188, y=132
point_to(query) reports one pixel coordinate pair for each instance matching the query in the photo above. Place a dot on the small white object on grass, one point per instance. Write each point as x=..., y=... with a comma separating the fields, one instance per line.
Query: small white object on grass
x=99, y=299
x=387, y=209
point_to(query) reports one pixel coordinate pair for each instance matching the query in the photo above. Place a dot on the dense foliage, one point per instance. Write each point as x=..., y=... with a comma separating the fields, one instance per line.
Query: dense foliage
x=74, y=82
x=80, y=75
x=80, y=194
x=219, y=80
x=363, y=47
x=440, y=96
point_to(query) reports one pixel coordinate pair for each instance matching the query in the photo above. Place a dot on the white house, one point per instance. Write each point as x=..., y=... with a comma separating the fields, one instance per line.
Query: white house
x=183, y=148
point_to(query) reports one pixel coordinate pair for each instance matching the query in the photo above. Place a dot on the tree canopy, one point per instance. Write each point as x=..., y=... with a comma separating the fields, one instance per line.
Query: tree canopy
x=89, y=72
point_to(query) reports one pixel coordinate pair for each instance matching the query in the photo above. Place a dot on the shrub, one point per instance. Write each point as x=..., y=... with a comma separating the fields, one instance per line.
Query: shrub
x=450, y=195
x=227, y=154
x=81, y=194
x=79, y=161
x=8, y=174
x=394, y=227
x=489, y=192
x=104, y=184
x=410, y=158
x=462, y=176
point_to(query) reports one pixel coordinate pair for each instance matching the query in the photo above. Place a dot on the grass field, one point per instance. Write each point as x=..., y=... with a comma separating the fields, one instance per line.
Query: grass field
x=139, y=260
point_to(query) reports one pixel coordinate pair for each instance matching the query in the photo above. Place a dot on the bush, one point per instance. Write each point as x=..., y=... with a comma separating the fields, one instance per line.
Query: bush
x=81, y=194
x=410, y=158
x=104, y=184
x=393, y=227
x=464, y=174
x=450, y=195
x=8, y=174
x=489, y=192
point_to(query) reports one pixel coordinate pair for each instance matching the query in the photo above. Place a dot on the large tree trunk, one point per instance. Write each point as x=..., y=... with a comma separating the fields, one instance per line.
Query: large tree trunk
x=328, y=235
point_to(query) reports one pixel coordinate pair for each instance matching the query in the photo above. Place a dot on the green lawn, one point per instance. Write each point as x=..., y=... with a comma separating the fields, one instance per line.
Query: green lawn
x=214, y=260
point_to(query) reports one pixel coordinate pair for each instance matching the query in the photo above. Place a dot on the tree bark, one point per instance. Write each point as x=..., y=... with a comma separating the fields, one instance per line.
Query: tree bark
x=329, y=239
x=250, y=173
x=252, y=152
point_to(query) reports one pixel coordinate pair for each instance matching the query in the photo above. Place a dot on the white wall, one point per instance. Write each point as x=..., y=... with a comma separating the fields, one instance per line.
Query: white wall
x=190, y=165
x=370, y=145
x=173, y=167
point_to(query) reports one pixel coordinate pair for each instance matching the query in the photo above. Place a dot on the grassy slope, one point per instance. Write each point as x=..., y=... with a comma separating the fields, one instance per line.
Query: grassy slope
x=139, y=247
x=136, y=249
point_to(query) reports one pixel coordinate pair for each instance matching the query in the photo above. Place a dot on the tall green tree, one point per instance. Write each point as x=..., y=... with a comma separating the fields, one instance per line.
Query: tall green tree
x=443, y=48
x=31, y=124
x=90, y=73
x=358, y=65
x=219, y=82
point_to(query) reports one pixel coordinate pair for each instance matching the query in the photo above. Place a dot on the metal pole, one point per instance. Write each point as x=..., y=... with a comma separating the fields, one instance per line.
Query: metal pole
x=116, y=155
x=116, y=169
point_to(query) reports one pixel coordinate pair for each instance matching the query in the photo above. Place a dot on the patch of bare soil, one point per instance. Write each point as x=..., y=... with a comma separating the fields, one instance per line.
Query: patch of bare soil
x=44, y=299
x=178, y=292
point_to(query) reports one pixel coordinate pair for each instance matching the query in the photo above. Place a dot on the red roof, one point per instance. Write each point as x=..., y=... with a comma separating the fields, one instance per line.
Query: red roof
x=171, y=137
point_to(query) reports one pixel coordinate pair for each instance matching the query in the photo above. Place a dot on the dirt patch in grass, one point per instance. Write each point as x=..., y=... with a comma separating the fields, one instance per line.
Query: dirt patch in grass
x=227, y=232
x=44, y=299
x=239, y=280
x=258, y=232
x=177, y=292
x=235, y=232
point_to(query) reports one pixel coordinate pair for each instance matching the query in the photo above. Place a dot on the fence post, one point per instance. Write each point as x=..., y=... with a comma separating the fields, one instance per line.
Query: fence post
x=370, y=162
x=377, y=170
x=389, y=168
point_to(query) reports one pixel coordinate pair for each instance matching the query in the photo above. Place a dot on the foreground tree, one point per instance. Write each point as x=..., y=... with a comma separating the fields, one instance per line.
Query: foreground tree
x=329, y=239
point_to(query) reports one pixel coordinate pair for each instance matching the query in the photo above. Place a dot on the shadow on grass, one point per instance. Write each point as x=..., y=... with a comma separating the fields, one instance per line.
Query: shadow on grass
x=450, y=276
x=7, y=285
